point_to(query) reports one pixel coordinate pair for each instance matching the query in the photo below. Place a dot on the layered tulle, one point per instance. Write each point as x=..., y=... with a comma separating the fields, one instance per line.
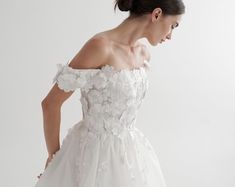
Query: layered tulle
x=87, y=159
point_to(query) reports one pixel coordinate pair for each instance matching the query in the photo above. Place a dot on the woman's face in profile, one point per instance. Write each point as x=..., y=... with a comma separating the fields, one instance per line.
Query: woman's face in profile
x=168, y=25
x=162, y=26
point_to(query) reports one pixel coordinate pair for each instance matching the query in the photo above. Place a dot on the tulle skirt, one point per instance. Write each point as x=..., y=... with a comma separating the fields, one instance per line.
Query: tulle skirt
x=89, y=159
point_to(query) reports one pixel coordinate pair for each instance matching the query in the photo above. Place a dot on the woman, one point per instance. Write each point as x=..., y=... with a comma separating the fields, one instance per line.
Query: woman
x=105, y=148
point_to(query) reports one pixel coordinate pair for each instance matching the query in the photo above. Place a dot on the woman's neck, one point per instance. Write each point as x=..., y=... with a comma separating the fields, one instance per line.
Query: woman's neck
x=129, y=31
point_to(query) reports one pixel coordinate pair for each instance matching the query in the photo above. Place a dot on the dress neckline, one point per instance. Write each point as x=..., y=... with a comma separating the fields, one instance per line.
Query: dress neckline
x=134, y=69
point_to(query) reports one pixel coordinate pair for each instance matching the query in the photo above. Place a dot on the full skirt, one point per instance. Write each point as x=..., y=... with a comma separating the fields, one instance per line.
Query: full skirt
x=88, y=159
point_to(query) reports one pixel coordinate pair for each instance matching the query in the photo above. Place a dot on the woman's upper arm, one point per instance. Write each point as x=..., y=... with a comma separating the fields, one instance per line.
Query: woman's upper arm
x=56, y=96
x=74, y=75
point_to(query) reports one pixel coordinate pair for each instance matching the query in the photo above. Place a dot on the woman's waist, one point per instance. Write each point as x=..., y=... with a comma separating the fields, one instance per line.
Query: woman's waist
x=108, y=124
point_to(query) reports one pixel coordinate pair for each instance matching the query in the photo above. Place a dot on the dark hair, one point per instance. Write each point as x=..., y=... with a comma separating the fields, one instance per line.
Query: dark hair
x=141, y=7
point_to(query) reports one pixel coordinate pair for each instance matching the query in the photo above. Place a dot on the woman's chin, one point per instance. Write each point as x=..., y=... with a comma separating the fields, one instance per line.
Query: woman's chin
x=155, y=43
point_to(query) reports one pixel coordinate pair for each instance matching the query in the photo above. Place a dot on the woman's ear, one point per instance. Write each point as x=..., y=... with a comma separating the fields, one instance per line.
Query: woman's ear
x=156, y=13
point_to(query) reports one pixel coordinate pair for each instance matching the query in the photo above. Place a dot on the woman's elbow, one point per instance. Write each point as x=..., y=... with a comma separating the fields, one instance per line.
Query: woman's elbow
x=47, y=104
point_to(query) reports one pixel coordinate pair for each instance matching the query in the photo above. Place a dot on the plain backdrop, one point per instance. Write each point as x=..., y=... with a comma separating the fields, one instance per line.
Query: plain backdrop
x=189, y=110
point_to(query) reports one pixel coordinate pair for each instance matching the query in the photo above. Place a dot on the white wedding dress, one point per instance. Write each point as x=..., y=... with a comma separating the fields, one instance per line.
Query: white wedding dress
x=105, y=148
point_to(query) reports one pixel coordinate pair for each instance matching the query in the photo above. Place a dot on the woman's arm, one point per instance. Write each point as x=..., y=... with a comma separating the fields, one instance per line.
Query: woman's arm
x=93, y=55
x=51, y=109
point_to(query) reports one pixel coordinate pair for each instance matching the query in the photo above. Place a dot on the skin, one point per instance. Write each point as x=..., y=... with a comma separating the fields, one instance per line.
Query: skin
x=118, y=47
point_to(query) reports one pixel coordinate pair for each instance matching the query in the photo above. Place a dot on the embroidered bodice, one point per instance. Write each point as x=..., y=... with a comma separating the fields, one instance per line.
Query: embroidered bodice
x=110, y=97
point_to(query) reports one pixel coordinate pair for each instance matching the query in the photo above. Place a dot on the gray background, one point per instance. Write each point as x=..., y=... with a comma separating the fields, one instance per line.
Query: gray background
x=188, y=113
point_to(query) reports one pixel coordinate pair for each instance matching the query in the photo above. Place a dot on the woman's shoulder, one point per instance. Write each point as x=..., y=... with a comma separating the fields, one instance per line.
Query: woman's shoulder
x=93, y=54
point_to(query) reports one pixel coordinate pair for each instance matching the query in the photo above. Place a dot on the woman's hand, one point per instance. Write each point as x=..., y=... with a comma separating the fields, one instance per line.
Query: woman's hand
x=48, y=160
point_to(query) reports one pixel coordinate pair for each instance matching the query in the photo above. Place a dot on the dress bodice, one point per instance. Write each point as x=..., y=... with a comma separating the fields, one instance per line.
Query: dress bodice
x=105, y=144
x=110, y=97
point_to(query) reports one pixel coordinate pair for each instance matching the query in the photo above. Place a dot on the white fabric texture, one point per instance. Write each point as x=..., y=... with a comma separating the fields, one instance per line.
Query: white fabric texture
x=105, y=148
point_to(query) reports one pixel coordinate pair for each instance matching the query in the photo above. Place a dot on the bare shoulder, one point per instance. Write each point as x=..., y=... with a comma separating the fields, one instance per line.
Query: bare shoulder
x=93, y=53
x=145, y=52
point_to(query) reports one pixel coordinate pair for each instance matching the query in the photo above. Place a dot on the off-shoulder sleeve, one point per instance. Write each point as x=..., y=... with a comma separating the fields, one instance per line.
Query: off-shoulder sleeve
x=69, y=79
